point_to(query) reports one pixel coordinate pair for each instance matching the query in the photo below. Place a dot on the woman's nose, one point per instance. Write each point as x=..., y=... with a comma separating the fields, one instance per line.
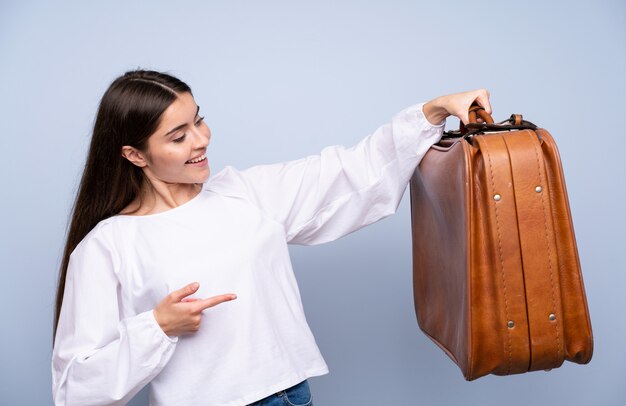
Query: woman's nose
x=202, y=139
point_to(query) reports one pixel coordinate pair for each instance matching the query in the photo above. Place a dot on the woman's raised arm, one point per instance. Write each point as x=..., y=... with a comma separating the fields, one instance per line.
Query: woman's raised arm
x=324, y=197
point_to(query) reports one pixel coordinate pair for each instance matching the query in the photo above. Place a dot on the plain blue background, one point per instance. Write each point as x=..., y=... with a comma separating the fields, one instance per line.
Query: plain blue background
x=281, y=80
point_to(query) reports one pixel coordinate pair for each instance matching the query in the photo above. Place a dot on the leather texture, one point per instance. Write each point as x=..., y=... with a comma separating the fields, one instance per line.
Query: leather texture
x=496, y=275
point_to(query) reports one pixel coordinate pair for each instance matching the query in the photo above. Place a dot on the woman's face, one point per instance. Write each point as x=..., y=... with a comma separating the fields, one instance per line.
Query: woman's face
x=176, y=152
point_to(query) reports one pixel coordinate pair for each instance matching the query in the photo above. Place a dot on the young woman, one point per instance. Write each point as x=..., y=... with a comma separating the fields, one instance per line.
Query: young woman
x=157, y=251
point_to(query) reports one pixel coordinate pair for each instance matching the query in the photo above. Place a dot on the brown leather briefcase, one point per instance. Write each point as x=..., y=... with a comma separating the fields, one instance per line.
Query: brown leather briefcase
x=496, y=275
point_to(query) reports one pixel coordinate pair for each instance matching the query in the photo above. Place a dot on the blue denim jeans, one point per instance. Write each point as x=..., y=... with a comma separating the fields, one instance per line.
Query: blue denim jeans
x=297, y=395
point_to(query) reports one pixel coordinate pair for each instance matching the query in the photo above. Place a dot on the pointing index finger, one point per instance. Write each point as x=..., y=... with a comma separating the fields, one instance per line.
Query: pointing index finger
x=213, y=301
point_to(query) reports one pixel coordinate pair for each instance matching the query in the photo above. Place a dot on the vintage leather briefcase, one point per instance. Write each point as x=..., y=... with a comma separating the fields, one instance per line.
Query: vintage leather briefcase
x=496, y=275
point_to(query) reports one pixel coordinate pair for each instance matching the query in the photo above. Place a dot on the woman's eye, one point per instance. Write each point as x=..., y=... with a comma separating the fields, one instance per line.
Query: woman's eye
x=199, y=120
x=180, y=139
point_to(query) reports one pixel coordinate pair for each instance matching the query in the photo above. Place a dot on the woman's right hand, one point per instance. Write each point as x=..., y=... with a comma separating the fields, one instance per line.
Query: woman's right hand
x=177, y=314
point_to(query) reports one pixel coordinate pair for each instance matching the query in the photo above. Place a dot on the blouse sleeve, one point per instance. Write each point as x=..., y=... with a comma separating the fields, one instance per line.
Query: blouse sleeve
x=98, y=358
x=323, y=197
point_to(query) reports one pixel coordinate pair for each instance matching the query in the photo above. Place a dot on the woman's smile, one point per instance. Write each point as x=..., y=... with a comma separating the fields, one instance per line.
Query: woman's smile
x=198, y=161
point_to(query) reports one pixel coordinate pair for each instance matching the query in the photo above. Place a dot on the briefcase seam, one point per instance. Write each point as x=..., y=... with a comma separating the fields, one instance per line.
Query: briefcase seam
x=545, y=223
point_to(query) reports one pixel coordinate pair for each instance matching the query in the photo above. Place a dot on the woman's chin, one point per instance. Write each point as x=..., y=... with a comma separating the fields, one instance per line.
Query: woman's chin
x=206, y=177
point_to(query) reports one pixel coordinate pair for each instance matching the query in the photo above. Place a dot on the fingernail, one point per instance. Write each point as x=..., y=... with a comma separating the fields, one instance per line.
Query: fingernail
x=234, y=296
x=195, y=285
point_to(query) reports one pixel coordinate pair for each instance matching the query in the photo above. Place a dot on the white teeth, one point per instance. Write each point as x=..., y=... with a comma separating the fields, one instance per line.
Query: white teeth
x=198, y=159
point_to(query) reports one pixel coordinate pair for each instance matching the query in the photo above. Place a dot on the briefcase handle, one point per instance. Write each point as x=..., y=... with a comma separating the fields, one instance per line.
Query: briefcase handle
x=474, y=112
x=515, y=122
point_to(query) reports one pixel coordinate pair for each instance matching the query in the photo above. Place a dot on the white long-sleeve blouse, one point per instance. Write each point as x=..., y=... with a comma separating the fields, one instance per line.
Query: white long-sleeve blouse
x=231, y=237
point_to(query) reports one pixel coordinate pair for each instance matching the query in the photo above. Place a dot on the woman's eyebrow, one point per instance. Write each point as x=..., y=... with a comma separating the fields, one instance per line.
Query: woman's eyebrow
x=173, y=130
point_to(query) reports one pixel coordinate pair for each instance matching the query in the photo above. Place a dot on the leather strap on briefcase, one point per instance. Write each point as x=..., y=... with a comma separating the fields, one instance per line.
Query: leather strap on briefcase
x=497, y=280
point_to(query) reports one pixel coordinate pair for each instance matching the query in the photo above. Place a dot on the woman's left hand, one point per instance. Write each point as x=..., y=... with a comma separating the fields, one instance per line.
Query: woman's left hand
x=457, y=105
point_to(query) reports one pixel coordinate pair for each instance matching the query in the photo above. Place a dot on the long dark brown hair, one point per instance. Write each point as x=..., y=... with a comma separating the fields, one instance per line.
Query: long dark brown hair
x=129, y=112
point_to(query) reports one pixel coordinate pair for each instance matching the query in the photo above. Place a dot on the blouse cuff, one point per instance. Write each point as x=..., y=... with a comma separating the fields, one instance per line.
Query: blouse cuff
x=413, y=134
x=150, y=322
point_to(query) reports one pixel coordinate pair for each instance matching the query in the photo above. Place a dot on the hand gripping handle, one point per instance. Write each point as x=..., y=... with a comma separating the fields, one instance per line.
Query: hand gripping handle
x=474, y=111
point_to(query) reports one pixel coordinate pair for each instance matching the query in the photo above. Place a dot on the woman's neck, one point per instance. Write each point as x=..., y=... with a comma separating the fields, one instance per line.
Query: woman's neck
x=160, y=197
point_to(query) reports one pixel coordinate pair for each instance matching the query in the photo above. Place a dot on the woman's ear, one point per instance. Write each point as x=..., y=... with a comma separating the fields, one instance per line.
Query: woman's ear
x=134, y=156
